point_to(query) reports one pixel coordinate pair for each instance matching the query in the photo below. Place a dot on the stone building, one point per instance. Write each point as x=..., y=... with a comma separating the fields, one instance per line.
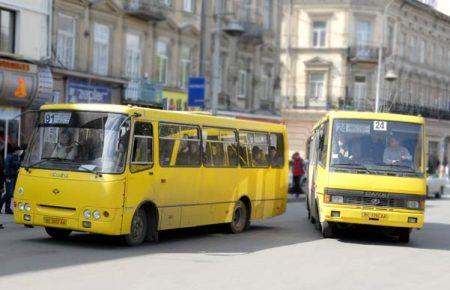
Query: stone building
x=330, y=61
x=25, y=77
x=145, y=51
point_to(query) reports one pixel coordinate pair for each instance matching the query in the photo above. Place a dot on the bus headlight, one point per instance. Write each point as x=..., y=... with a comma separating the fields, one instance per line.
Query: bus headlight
x=20, y=206
x=96, y=215
x=87, y=214
x=413, y=204
x=27, y=207
x=337, y=199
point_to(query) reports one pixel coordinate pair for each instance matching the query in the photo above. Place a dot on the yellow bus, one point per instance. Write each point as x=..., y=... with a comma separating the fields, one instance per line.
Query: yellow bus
x=367, y=169
x=132, y=172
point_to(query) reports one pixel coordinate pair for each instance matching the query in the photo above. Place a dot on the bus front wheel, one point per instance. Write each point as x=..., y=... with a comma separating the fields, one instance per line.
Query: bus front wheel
x=240, y=218
x=138, y=230
x=328, y=230
x=57, y=233
x=404, y=235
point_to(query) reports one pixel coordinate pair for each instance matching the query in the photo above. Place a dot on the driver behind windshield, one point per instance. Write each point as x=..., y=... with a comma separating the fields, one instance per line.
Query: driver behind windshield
x=395, y=153
x=66, y=148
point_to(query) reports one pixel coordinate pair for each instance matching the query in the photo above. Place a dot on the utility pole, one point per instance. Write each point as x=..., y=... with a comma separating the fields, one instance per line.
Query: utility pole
x=380, y=58
x=216, y=58
x=203, y=37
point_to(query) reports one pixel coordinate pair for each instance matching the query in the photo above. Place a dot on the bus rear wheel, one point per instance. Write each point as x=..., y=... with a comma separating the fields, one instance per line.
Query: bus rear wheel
x=57, y=233
x=138, y=230
x=328, y=230
x=240, y=218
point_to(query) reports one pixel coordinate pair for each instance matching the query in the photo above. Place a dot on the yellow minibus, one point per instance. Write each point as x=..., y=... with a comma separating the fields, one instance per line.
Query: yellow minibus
x=132, y=172
x=367, y=169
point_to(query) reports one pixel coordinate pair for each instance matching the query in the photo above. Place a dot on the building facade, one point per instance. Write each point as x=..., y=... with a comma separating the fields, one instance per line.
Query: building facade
x=25, y=77
x=250, y=62
x=330, y=61
x=145, y=51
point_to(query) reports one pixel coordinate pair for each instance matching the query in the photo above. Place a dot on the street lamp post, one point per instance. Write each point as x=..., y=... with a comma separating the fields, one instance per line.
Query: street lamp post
x=380, y=58
x=216, y=58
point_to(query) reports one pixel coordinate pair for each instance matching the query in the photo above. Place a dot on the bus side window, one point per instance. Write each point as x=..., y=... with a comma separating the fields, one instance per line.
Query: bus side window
x=323, y=144
x=216, y=145
x=189, y=150
x=142, y=154
x=276, y=151
x=260, y=150
x=244, y=150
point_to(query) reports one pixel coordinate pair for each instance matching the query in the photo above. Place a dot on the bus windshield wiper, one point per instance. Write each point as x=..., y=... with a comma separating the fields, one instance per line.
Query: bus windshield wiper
x=93, y=171
x=354, y=166
x=43, y=160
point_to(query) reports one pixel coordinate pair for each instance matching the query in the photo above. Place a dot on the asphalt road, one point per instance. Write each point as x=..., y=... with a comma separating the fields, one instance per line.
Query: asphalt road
x=281, y=253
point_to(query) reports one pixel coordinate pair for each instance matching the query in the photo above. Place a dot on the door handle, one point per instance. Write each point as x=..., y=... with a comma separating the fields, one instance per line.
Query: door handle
x=163, y=180
x=150, y=173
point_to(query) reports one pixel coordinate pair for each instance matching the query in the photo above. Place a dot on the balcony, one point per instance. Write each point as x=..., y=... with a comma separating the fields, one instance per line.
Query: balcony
x=253, y=32
x=146, y=93
x=364, y=54
x=426, y=112
x=149, y=10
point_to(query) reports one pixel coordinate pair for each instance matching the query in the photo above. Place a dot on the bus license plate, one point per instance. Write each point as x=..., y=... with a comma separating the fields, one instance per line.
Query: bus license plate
x=55, y=221
x=374, y=215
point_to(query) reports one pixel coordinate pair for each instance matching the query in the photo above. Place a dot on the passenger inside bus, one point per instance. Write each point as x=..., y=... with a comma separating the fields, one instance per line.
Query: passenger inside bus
x=66, y=148
x=274, y=157
x=258, y=157
x=395, y=153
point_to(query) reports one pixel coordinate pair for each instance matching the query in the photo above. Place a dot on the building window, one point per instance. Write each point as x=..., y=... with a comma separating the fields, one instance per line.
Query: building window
x=7, y=22
x=363, y=32
x=267, y=18
x=243, y=79
x=223, y=74
x=440, y=57
x=266, y=81
x=65, y=48
x=319, y=33
x=186, y=66
x=413, y=43
x=133, y=56
x=422, y=50
x=101, y=49
x=402, y=44
x=360, y=91
x=247, y=10
x=162, y=65
x=167, y=3
x=316, y=85
x=431, y=54
x=189, y=6
x=391, y=32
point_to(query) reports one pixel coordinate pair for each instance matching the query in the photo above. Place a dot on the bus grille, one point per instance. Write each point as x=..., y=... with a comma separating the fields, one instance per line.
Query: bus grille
x=374, y=199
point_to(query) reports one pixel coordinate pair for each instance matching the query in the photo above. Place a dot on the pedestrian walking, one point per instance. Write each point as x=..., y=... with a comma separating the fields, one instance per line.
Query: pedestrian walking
x=12, y=165
x=297, y=173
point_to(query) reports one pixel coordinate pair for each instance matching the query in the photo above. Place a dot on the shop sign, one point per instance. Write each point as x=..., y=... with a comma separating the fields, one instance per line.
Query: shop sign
x=84, y=92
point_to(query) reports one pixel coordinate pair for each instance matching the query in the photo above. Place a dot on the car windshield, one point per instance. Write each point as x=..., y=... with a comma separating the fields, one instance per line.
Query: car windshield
x=377, y=145
x=79, y=141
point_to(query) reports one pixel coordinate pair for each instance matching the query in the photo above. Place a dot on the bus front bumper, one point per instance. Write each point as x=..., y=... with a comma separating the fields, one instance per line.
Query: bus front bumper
x=110, y=225
x=374, y=217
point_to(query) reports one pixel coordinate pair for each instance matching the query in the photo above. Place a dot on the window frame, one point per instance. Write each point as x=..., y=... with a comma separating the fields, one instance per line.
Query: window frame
x=71, y=63
x=236, y=136
x=133, y=51
x=96, y=68
x=160, y=59
x=152, y=163
x=320, y=33
x=13, y=29
x=165, y=138
x=239, y=150
x=282, y=153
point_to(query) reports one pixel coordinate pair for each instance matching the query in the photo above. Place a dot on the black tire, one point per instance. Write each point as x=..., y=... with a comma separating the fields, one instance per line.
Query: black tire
x=138, y=229
x=328, y=230
x=59, y=234
x=316, y=220
x=404, y=235
x=240, y=218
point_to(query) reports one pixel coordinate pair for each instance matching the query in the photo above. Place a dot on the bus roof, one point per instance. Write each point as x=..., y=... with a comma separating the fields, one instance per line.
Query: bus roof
x=170, y=116
x=371, y=116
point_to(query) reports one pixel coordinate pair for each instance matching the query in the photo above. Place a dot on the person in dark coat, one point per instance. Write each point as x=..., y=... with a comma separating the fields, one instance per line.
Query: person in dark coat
x=12, y=165
x=297, y=172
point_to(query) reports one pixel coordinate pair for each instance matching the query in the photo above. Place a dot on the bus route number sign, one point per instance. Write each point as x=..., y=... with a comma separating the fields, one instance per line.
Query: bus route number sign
x=380, y=126
x=62, y=118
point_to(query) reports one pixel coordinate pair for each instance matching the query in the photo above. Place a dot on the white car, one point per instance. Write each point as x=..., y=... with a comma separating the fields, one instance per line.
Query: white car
x=436, y=185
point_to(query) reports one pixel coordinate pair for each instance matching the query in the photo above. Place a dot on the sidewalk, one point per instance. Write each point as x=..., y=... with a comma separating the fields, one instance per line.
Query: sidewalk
x=6, y=219
x=292, y=198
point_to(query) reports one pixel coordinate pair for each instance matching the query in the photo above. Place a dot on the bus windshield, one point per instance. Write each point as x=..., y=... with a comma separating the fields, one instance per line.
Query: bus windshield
x=79, y=141
x=377, y=145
